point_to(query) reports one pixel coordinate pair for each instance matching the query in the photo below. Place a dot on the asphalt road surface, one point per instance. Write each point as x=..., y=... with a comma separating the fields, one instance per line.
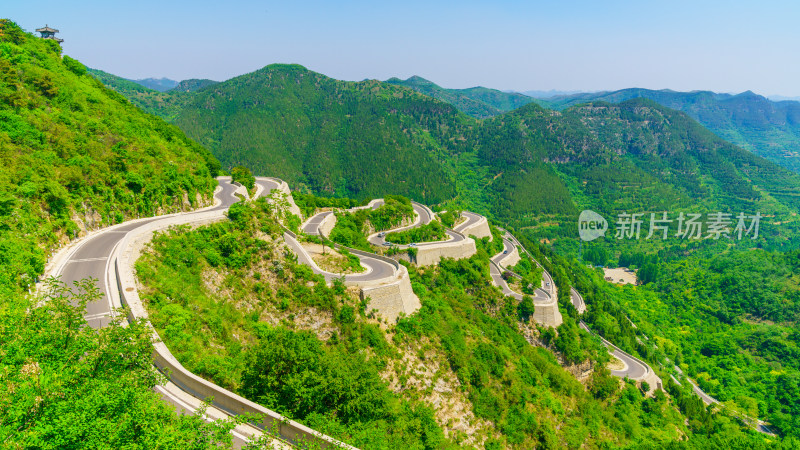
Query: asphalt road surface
x=577, y=300
x=471, y=218
x=496, y=272
x=376, y=268
x=634, y=368
x=91, y=259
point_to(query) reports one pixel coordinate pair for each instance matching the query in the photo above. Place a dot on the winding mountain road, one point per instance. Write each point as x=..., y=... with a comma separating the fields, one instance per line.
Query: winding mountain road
x=633, y=368
x=377, y=268
x=424, y=216
x=91, y=258
x=496, y=272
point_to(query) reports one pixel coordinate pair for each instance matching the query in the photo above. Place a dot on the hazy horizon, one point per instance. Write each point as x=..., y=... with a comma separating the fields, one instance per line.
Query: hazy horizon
x=573, y=46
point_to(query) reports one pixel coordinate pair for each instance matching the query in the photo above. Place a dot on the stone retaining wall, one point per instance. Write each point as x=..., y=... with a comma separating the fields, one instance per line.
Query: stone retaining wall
x=479, y=229
x=392, y=299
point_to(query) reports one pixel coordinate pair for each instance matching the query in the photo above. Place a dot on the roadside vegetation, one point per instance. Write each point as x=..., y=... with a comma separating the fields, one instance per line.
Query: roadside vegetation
x=264, y=326
x=76, y=157
x=352, y=228
x=430, y=232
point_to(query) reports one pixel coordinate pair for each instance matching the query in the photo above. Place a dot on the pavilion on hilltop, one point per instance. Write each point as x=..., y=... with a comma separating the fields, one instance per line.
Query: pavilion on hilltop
x=49, y=33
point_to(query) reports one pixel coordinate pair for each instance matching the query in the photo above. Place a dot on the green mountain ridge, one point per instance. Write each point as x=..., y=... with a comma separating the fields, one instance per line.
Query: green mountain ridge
x=513, y=166
x=158, y=84
x=193, y=84
x=764, y=127
x=478, y=102
x=361, y=139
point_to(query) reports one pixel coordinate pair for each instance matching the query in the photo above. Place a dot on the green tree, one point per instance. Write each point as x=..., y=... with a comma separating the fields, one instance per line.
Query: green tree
x=66, y=385
x=526, y=308
x=240, y=174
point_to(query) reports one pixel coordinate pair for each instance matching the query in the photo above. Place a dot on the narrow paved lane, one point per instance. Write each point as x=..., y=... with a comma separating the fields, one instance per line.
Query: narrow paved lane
x=376, y=268
x=422, y=213
x=91, y=258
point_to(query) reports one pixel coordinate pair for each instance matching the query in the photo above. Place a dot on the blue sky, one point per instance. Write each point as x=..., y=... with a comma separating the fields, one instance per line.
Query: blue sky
x=532, y=45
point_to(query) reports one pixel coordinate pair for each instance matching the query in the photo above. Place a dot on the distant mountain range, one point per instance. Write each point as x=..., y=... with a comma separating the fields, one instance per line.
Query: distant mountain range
x=193, y=84
x=767, y=128
x=368, y=139
x=548, y=94
x=478, y=102
x=157, y=84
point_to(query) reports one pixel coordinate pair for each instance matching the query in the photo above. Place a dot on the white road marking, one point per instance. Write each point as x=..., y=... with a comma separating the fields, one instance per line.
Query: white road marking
x=87, y=260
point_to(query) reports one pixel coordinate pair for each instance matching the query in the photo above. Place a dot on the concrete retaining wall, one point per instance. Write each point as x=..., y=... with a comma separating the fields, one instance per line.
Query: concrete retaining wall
x=392, y=299
x=389, y=297
x=547, y=314
x=479, y=229
x=327, y=224
x=125, y=256
x=430, y=254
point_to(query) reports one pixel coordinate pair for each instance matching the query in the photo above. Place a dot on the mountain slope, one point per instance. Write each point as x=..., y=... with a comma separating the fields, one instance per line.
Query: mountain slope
x=637, y=156
x=605, y=150
x=766, y=128
x=193, y=84
x=163, y=104
x=478, y=102
x=77, y=155
x=361, y=139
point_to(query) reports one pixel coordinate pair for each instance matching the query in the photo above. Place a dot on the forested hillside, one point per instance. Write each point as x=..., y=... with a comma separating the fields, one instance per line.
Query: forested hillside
x=163, y=104
x=340, y=138
x=766, y=128
x=78, y=156
x=636, y=156
x=469, y=370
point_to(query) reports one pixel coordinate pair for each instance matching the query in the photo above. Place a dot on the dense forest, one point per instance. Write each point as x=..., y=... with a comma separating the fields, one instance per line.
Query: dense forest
x=633, y=156
x=478, y=102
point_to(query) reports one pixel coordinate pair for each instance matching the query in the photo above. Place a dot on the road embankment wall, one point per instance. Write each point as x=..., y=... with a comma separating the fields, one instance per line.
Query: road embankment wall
x=389, y=296
x=479, y=229
x=548, y=314
x=430, y=254
x=391, y=300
